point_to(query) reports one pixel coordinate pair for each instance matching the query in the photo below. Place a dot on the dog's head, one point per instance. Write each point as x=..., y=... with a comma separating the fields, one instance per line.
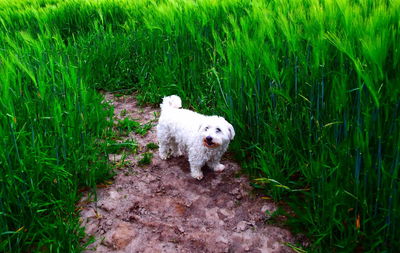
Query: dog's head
x=216, y=131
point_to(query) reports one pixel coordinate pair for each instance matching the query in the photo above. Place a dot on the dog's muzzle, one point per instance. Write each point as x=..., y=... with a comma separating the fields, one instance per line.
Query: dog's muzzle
x=207, y=142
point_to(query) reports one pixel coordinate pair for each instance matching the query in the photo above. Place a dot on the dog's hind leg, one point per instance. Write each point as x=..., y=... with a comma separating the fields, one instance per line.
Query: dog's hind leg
x=163, y=151
x=175, y=149
x=163, y=141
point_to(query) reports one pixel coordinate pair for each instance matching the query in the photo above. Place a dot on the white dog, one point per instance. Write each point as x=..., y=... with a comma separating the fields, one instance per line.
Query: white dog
x=203, y=138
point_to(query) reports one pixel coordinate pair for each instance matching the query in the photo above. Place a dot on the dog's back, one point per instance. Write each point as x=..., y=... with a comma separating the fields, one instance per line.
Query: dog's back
x=179, y=120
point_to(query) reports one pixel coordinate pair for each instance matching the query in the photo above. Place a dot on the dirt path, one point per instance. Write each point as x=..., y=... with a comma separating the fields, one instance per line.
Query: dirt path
x=160, y=208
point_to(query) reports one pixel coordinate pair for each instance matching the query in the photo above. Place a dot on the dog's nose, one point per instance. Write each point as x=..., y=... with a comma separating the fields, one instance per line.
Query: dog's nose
x=209, y=138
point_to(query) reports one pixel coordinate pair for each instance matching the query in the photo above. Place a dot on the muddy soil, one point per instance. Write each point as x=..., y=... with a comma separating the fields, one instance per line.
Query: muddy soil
x=159, y=207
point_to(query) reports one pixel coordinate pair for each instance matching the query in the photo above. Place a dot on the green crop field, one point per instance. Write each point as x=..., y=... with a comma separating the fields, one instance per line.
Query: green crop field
x=312, y=88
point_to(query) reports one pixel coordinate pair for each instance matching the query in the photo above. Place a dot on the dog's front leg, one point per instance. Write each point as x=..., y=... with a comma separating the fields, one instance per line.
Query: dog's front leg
x=195, y=165
x=196, y=172
x=215, y=165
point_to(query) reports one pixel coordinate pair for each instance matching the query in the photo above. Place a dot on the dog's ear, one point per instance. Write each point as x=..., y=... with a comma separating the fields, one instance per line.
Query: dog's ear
x=231, y=131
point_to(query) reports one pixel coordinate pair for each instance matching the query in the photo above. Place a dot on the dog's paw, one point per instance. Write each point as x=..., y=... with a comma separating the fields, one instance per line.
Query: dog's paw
x=163, y=156
x=219, y=167
x=197, y=175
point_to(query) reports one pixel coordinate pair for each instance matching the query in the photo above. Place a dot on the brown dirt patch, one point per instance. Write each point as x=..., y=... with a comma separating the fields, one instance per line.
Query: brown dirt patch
x=161, y=208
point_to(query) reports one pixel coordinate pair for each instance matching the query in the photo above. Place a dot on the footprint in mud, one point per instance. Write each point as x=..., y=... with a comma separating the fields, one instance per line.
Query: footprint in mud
x=157, y=206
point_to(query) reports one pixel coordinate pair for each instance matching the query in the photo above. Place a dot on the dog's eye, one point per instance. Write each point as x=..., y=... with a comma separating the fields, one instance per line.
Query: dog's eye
x=218, y=130
x=205, y=129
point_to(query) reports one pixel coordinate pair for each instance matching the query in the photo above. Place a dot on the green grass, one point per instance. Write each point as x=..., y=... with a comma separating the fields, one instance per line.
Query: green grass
x=127, y=125
x=151, y=146
x=50, y=122
x=310, y=86
x=145, y=159
x=114, y=147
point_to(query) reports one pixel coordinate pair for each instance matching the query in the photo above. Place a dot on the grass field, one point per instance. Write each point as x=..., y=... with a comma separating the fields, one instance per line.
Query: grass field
x=311, y=87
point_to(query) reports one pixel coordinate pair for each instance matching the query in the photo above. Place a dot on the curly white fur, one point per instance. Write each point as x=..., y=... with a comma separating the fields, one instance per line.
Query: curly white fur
x=203, y=138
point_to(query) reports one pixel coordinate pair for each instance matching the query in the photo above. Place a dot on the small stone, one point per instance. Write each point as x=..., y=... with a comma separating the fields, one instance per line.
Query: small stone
x=88, y=213
x=114, y=195
x=268, y=210
x=222, y=239
x=241, y=226
x=120, y=237
x=107, y=206
x=228, y=214
x=188, y=203
x=235, y=191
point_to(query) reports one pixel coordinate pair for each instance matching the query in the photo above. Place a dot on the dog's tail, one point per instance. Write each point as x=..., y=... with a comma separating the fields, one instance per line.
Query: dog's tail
x=171, y=102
